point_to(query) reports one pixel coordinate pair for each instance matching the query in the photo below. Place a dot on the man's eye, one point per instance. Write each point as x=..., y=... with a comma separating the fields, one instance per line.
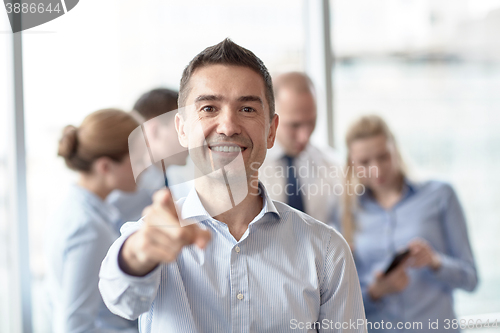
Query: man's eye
x=247, y=109
x=208, y=109
x=383, y=157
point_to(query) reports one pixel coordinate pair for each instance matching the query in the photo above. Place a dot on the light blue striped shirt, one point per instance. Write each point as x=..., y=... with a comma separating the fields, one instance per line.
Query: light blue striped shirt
x=289, y=272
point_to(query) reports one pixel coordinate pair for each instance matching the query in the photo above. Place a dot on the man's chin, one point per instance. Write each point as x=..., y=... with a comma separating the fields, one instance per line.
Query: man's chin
x=227, y=174
x=235, y=174
x=293, y=152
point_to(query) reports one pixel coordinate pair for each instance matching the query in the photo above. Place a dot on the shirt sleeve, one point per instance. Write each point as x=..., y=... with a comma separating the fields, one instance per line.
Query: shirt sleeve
x=80, y=296
x=457, y=269
x=126, y=295
x=341, y=307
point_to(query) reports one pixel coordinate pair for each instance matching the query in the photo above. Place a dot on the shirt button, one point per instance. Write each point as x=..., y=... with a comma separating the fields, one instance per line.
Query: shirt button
x=237, y=249
x=239, y=296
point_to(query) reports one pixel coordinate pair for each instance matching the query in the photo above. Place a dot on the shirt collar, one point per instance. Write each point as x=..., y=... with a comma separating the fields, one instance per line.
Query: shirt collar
x=192, y=208
x=409, y=188
x=268, y=206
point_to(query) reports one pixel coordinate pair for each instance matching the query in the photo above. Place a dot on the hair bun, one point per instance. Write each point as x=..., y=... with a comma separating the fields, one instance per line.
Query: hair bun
x=68, y=142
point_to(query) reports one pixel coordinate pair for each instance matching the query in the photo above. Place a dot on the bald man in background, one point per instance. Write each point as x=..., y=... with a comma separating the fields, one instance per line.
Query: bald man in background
x=296, y=172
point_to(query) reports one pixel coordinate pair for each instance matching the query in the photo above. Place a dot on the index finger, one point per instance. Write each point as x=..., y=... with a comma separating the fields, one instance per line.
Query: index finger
x=164, y=199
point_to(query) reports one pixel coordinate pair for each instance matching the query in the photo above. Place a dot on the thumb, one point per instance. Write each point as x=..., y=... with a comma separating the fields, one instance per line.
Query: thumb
x=164, y=198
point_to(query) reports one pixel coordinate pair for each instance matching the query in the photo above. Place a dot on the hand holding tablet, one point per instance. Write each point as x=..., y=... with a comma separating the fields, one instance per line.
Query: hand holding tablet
x=398, y=259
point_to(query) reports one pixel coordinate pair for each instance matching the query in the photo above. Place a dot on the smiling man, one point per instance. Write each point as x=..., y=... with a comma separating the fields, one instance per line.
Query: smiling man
x=258, y=265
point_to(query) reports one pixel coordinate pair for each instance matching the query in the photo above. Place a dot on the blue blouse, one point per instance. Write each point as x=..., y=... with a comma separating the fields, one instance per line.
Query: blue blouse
x=76, y=242
x=430, y=211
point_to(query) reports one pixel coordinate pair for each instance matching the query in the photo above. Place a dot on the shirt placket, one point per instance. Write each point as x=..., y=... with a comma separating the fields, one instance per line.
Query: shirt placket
x=392, y=241
x=240, y=298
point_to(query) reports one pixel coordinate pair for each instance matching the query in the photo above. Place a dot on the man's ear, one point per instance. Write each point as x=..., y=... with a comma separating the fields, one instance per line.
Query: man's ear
x=272, y=131
x=102, y=165
x=152, y=129
x=181, y=130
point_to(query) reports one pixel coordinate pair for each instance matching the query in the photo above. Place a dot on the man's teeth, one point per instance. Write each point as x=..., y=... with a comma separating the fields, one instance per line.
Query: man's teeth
x=227, y=149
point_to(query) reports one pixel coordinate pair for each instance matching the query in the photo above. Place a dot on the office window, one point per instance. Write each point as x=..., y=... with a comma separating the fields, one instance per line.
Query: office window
x=432, y=70
x=9, y=287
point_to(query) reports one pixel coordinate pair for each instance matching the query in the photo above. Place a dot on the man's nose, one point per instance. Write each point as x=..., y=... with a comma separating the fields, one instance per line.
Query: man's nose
x=304, y=134
x=228, y=123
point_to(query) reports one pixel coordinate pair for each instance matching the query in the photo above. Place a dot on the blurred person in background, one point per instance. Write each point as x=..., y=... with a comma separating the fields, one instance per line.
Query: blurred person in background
x=392, y=214
x=295, y=171
x=82, y=230
x=160, y=132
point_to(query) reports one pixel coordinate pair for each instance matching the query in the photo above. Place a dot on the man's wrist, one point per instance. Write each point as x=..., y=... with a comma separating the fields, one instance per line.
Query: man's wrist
x=128, y=263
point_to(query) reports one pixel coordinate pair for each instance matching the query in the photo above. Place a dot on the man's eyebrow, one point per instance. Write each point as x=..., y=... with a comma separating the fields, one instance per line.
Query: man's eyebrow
x=203, y=98
x=250, y=98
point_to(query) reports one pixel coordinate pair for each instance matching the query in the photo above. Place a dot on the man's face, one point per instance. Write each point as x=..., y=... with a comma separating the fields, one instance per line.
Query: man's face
x=227, y=107
x=297, y=113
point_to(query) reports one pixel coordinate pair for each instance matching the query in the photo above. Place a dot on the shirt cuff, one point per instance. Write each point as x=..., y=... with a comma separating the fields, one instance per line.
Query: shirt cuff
x=132, y=294
x=448, y=269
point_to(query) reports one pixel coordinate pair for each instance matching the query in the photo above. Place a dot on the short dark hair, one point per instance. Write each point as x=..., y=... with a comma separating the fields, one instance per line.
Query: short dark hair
x=156, y=102
x=227, y=53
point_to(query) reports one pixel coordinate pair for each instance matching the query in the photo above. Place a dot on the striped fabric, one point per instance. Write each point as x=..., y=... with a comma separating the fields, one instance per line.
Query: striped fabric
x=289, y=272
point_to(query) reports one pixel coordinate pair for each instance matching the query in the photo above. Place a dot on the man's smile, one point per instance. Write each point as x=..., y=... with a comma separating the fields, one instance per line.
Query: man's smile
x=226, y=148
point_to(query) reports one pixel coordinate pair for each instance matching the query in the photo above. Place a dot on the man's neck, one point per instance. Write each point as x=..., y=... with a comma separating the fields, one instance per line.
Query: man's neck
x=234, y=209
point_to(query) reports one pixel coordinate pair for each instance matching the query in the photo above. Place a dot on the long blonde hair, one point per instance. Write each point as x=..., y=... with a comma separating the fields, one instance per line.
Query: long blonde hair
x=365, y=127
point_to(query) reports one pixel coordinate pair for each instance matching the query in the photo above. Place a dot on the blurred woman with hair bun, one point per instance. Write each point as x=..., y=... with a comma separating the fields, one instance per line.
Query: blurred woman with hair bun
x=82, y=230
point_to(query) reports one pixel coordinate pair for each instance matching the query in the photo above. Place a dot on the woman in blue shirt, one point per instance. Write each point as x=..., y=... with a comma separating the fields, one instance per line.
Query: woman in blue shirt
x=386, y=213
x=82, y=230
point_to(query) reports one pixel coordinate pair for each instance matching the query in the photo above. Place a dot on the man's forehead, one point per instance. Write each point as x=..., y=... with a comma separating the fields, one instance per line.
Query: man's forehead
x=296, y=104
x=225, y=80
